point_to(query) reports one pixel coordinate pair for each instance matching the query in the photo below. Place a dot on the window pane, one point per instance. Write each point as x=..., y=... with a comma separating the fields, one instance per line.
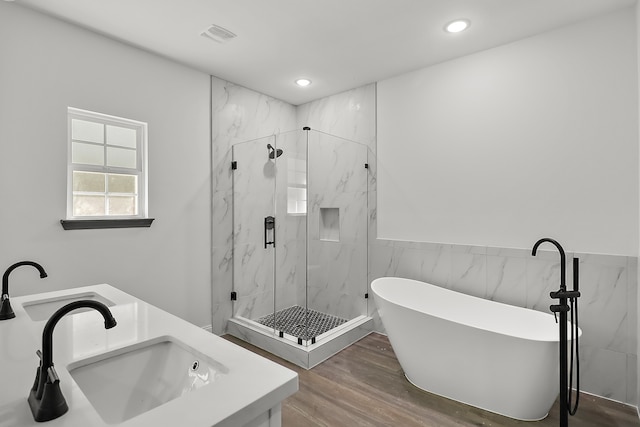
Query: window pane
x=123, y=183
x=121, y=157
x=88, y=205
x=87, y=154
x=87, y=131
x=296, y=200
x=122, y=205
x=88, y=181
x=124, y=137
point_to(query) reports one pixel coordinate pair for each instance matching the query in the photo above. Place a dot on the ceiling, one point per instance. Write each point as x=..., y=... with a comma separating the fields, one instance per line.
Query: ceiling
x=338, y=44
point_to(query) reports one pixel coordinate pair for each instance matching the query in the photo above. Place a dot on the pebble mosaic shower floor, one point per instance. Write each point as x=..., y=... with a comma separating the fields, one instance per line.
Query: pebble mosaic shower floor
x=292, y=321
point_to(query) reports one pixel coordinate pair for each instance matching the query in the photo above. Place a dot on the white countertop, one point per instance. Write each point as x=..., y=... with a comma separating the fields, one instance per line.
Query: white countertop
x=252, y=386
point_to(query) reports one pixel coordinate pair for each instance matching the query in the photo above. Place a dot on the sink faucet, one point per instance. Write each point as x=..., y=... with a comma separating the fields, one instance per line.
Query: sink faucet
x=6, y=312
x=46, y=399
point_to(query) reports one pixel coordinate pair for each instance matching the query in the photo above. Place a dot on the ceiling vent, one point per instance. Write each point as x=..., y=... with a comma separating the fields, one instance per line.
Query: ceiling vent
x=218, y=34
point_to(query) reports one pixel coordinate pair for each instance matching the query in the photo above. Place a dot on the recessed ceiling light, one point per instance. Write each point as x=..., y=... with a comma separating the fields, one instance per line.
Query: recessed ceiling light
x=303, y=82
x=457, y=26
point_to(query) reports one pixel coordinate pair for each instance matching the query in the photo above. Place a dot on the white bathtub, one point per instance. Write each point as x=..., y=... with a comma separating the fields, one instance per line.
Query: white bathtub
x=494, y=356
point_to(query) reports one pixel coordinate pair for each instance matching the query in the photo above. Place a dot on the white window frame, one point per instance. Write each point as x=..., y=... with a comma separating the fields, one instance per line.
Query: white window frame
x=141, y=169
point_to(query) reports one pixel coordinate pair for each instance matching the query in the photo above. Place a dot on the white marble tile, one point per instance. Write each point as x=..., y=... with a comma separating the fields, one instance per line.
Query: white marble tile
x=372, y=215
x=603, y=305
x=240, y=114
x=253, y=190
x=632, y=304
x=508, y=252
x=254, y=306
x=468, y=272
x=337, y=278
x=350, y=115
x=632, y=379
x=336, y=165
x=336, y=302
x=394, y=261
x=603, y=373
x=253, y=269
x=222, y=218
x=222, y=271
x=286, y=259
x=222, y=172
x=336, y=262
x=435, y=265
x=507, y=280
x=468, y=249
x=352, y=215
x=222, y=312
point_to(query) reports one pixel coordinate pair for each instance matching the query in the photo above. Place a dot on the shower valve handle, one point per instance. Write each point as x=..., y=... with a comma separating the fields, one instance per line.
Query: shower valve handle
x=269, y=225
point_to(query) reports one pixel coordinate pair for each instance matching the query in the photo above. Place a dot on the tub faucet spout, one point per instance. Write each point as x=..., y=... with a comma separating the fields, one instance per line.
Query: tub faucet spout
x=45, y=399
x=6, y=312
x=563, y=262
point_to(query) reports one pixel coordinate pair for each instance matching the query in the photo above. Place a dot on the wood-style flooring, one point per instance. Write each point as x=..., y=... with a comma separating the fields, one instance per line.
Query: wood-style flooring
x=364, y=385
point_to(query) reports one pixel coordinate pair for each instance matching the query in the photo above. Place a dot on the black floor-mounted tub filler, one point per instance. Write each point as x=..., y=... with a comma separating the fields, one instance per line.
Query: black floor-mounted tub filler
x=567, y=302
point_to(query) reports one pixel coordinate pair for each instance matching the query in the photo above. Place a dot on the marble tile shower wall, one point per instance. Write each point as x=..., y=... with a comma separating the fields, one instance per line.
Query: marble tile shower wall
x=254, y=188
x=350, y=115
x=607, y=308
x=337, y=278
x=338, y=270
x=238, y=114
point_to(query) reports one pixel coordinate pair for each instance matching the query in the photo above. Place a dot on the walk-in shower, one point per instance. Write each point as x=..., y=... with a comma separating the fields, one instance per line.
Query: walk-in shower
x=300, y=241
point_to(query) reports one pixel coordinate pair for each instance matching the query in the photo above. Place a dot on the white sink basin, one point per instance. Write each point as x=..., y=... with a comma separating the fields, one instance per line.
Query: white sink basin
x=43, y=309
x=128, y=382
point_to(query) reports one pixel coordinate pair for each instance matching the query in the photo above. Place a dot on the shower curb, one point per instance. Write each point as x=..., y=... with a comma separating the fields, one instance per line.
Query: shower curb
x=305, y=357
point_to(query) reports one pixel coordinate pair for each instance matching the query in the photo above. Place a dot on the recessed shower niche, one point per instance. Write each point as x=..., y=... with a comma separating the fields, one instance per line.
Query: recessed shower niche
x=330, y=224
x=300, y=244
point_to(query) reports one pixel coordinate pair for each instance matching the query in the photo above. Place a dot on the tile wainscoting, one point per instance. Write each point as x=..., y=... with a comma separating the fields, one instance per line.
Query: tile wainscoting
x=607, y=307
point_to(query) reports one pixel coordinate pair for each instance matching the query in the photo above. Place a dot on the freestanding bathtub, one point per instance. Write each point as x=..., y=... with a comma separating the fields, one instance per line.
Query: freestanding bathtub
x=494, y=356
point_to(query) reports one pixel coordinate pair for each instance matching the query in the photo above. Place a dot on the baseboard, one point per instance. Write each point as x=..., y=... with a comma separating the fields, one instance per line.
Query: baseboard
x=609, y=399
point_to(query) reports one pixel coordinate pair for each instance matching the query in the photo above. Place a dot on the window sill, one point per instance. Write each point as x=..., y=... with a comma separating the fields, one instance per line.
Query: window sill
x=86, y=224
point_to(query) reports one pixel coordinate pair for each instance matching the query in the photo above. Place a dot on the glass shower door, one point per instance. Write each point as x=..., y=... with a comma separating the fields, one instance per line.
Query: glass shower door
x=254, y=179
x=337, y=233
x=291, y=231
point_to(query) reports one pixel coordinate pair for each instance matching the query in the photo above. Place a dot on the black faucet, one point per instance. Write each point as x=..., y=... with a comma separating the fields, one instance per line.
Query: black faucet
x=563, y=261
x=6, y=312
x=46, y=399
x=562, y=307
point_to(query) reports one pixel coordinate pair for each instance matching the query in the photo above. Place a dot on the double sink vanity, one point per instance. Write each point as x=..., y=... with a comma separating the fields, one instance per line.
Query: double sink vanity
x=151, y=369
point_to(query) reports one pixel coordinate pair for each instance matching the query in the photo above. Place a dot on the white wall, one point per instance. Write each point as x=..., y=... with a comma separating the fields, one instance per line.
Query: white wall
x=637, y=294
x=48, y=65
x=531, y=139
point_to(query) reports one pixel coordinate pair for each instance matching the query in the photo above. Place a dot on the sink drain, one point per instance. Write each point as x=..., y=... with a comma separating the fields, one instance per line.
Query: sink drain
x=195, y=365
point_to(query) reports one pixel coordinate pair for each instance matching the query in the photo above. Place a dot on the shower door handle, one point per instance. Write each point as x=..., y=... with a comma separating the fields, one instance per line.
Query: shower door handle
x=269, y=225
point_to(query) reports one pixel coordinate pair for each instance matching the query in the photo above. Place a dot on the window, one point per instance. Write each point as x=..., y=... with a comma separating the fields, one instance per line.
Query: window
x=107, y=167
x=296, y=186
